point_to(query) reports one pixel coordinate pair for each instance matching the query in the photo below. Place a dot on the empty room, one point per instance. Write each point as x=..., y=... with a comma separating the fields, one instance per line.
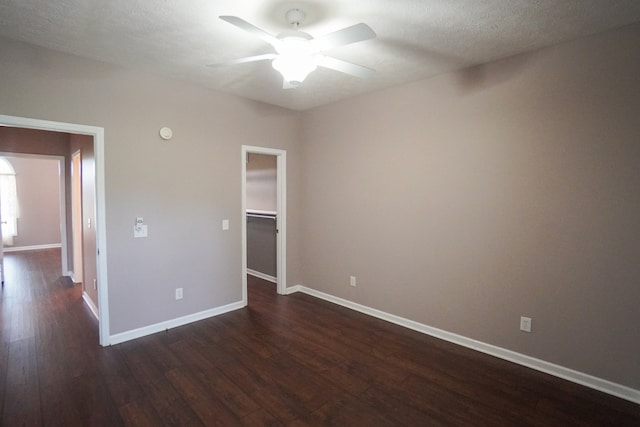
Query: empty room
x=323, y=213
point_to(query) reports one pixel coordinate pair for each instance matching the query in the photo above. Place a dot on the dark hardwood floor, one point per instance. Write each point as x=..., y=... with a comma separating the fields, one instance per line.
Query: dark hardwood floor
x=293, y=361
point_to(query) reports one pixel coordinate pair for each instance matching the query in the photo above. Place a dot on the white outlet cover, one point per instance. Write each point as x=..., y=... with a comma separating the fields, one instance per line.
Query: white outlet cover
x=525, y=324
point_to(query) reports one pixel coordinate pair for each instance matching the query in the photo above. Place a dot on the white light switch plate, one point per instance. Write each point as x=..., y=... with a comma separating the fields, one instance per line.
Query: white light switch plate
x=140, y=231
x=225, y=224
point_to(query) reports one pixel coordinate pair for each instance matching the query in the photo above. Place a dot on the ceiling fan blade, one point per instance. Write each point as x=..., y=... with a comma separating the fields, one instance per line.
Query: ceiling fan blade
x=345, y=67
x=247, y=59
x=246, y=26
x=353, y=34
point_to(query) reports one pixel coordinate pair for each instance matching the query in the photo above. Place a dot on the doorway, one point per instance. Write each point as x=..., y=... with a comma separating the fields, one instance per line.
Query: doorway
x=279, y=216
x=97, y=134
x=40, y=179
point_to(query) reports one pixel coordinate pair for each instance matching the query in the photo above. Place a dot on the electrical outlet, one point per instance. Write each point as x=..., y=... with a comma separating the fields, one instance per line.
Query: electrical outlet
x=352, y=281
x=525, y=324
x=178, y=293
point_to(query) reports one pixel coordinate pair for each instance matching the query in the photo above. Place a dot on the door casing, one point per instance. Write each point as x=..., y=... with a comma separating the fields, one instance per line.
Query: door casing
x=281, y=220
x=76, y=217
x=101, y=230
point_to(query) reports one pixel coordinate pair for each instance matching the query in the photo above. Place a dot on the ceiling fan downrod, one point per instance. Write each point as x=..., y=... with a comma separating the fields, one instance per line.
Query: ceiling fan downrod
x=295, y=17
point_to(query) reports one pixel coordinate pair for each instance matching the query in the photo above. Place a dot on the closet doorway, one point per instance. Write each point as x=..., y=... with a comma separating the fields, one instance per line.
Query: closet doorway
x=264, y=216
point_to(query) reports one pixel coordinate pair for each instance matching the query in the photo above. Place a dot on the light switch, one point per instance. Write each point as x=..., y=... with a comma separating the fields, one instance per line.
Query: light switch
x=225, y=224
x=140, y=231
x=139, y=228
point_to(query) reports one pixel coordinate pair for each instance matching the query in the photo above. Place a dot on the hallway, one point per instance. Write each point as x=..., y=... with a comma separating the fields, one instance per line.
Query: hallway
x=49, y=346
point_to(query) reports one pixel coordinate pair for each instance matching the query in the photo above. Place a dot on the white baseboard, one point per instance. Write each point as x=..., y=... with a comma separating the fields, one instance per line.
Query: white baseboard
x=174, y=323
x=31, y=248
x=297, y=288
x=91, y=305
x=73, y=277
x=587, y=380
x=262, y=276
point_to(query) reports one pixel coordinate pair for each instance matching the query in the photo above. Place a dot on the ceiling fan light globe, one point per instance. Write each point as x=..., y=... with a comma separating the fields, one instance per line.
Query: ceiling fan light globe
x=294, y=69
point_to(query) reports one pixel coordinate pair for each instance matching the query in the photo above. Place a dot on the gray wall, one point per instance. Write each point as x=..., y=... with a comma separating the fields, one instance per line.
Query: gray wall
x=183, y=188
x=470, y=199
x=261, y=190
x=262, y=245
x=38, y=187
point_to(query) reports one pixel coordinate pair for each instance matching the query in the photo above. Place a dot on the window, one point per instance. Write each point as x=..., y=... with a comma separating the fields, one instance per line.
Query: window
x=9, y=211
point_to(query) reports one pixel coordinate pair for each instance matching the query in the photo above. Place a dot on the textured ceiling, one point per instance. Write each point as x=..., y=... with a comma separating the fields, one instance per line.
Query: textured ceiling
x=416, y=38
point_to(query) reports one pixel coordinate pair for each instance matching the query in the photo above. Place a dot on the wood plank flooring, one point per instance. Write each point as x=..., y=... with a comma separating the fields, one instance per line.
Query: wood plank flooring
x=282, y=361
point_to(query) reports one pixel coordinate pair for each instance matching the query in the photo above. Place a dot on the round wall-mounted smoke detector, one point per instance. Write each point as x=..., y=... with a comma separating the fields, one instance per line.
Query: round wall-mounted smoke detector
x=166, y=133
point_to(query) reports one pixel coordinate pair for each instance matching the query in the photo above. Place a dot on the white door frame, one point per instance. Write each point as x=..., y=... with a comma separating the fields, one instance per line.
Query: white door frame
x=76, y=219
x=62, y=205
x=101, y=230
x=281, y=219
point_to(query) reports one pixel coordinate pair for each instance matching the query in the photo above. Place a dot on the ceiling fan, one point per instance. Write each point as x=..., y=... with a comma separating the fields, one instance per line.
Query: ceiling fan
x=298, y=53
